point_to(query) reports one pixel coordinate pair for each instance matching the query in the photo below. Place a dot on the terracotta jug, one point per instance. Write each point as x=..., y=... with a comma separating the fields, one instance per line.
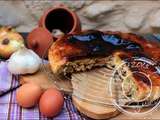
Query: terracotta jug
x=62, y=18
x=59, y=17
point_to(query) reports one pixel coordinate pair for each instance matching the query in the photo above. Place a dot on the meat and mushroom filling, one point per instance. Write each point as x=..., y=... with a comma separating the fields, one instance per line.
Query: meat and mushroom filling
x=87, y=64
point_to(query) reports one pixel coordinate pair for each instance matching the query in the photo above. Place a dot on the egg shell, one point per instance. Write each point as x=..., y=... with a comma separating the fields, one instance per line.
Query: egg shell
x=28, y=95
x=51, y=102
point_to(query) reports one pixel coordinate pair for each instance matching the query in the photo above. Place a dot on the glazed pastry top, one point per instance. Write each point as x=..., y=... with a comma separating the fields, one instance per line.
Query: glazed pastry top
x=90, y=44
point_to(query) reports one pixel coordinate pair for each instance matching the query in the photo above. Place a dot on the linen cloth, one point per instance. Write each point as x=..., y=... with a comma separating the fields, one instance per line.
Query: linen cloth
x=10, y=110
x=6, y=79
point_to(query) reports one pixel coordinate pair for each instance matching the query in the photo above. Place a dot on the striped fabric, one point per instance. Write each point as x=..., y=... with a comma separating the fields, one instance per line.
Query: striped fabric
x=6, y=79
x=10, y=110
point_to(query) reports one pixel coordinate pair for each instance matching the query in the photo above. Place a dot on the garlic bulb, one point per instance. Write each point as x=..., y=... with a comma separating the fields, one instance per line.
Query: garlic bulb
x=24, y=61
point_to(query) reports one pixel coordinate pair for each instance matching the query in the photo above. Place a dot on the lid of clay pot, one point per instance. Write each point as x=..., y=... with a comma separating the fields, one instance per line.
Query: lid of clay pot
x=39, y=39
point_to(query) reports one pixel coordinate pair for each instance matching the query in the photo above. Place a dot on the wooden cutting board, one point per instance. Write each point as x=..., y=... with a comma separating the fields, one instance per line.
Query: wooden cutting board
x=93, y=110
x=93, y=85
x=92, y=98
x=91, y=94
x=44, y=78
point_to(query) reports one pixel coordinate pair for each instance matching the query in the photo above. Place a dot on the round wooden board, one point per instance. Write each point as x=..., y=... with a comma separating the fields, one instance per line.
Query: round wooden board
x=94, y=111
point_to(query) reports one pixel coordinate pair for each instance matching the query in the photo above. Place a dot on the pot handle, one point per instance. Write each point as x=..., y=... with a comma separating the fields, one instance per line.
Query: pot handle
x=34, y=44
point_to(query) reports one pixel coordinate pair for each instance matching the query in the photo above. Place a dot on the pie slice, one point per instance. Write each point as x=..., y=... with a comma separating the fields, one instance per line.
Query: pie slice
x=94, y=49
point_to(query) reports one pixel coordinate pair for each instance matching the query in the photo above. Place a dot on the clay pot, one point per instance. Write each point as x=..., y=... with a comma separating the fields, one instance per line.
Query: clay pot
x=39, y=40
x=62, y=18
x=59, y=17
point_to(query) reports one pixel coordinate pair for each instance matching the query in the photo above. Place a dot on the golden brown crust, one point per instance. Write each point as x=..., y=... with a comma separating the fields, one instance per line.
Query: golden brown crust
x=73, y=47
x=151, y=48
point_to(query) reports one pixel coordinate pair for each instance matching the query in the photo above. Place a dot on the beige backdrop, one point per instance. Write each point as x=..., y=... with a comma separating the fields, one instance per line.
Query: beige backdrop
x=135, y=16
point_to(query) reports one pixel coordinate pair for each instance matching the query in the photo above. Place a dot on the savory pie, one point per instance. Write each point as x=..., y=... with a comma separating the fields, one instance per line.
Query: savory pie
x=91, y=49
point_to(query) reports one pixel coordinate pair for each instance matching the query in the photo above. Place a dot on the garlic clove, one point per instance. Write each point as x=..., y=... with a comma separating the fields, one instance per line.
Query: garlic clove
x=24, y=61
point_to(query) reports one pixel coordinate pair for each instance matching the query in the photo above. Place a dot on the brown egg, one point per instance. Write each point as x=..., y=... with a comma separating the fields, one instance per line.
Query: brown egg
x=51, y=102
x=28, y=95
